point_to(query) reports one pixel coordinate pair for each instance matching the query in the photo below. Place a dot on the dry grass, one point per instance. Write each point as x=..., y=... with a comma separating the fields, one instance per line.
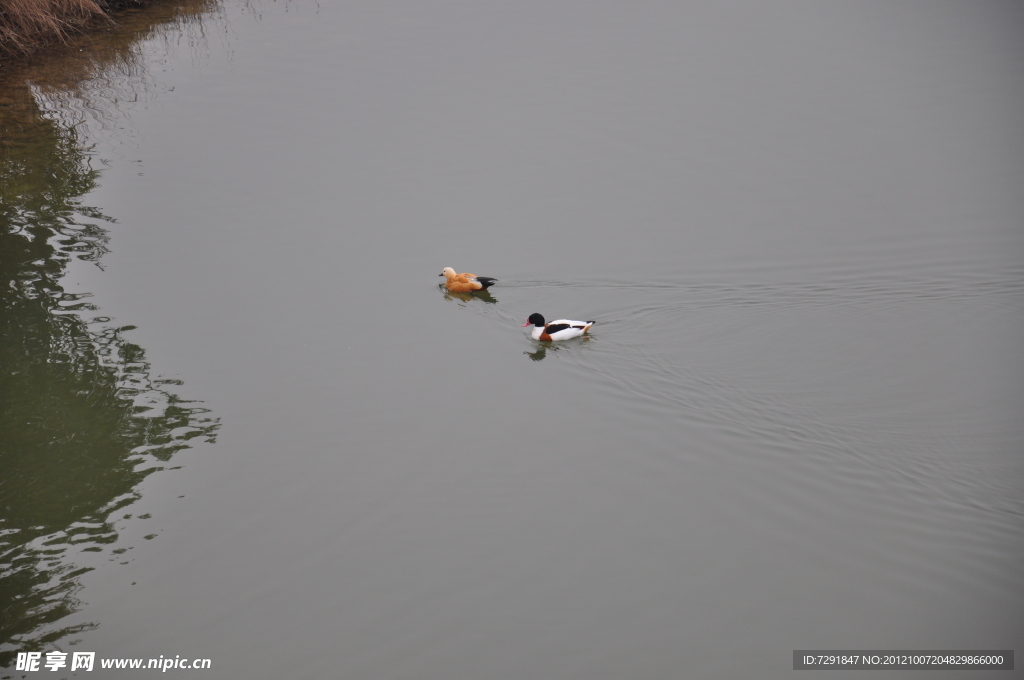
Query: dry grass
x=23, y=23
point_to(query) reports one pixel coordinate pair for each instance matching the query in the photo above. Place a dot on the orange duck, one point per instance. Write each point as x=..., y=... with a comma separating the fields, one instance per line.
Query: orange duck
x=465, y=282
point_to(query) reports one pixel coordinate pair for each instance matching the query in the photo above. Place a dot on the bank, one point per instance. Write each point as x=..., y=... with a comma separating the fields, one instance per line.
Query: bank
x=28, y=26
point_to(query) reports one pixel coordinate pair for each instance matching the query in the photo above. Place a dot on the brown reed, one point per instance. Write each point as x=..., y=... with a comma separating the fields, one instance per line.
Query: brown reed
x=27, y=23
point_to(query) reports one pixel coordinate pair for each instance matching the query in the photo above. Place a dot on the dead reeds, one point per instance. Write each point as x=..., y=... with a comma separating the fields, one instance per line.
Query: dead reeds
x=25, y=23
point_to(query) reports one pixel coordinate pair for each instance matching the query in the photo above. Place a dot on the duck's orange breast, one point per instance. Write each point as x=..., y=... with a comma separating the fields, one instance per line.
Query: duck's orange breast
x=463, y=283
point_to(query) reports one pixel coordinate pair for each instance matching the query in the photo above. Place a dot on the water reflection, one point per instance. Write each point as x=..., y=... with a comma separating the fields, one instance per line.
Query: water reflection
x=82, y=418
x=101, y=78
x=539, y=354
x=542, y=347
x=482, y=295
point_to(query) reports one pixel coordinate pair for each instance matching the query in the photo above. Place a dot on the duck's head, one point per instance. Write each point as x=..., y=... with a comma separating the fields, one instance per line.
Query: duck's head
x=447, y=272
x=534, y=320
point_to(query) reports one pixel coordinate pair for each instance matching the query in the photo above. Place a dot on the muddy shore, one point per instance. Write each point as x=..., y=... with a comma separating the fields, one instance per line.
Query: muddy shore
x=32, y=27
x=62, y=63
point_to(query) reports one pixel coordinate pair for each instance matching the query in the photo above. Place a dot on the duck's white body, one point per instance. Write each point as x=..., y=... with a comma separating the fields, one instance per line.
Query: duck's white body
x=559, y=329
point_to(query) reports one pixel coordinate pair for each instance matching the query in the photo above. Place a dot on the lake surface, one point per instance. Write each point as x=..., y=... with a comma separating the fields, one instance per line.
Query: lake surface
x=244, y=422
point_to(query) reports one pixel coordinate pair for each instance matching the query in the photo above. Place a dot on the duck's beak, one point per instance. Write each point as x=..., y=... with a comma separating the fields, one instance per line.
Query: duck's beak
x=526, y=324
x=441, y=274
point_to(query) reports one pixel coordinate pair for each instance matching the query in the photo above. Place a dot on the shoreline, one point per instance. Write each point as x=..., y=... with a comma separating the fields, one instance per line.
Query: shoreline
x=29, y=28
x=75, y=66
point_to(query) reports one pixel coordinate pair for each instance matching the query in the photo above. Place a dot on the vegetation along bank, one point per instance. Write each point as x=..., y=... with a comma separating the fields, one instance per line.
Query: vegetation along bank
x=28, y=25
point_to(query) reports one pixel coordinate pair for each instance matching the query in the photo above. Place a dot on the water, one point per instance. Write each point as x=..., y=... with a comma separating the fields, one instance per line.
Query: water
x=795, y=425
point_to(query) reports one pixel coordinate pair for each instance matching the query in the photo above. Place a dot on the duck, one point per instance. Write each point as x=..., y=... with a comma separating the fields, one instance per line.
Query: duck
x=559, y=329
x=465, y=282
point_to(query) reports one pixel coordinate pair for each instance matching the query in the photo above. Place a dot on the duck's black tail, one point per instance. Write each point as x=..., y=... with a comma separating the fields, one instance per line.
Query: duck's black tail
x=486, y=281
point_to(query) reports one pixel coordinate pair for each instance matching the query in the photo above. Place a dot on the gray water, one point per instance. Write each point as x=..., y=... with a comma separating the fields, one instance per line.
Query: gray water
x=796, y=424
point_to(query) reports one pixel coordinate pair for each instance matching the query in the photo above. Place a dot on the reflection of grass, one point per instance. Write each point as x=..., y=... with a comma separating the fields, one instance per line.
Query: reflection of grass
x=100, y=75
x=82, y=423
x=82, y=420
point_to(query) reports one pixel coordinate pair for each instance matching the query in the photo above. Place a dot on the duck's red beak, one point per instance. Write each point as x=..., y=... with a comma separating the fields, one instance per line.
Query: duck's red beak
x=526, y=324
